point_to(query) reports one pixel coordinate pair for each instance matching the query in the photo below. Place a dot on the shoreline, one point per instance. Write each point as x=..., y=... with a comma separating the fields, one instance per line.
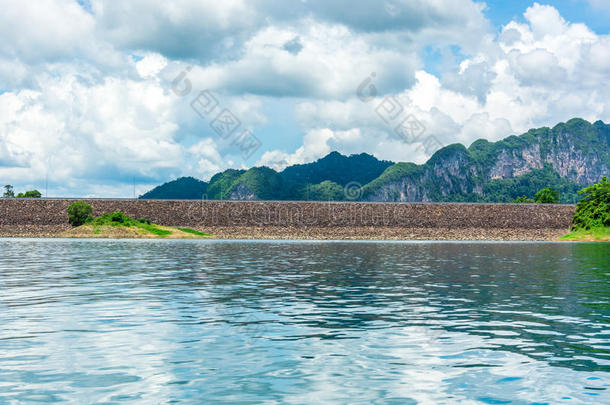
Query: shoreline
x=325, y=233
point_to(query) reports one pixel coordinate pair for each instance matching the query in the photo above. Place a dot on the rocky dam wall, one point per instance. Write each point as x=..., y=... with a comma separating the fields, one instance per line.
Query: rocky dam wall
x=294, y=215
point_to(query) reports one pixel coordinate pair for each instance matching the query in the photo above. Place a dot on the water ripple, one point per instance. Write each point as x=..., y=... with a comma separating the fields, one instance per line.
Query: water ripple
x=298, y=322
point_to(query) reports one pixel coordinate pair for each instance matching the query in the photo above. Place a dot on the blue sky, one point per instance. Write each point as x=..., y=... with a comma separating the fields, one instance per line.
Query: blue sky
x=92, y=98
x=596, y=17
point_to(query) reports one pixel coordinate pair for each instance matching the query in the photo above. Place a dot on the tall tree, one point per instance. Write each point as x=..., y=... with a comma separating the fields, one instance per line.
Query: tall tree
x=8, y=191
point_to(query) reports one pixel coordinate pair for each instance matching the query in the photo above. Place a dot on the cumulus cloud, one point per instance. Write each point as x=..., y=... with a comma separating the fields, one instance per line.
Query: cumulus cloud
x=536, y=73
x=204, y=30
x=320, y=142
x=86, y=91
x=330, y=63
x=211, y=30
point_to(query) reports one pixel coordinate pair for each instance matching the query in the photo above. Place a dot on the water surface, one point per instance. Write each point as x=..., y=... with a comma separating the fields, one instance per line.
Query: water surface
x=141, y=321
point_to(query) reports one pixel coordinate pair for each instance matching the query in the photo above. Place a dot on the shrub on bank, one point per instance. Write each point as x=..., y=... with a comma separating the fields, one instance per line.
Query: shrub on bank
x=120, y=219
x=79, y=213
x=117, y=218
x=593, y=211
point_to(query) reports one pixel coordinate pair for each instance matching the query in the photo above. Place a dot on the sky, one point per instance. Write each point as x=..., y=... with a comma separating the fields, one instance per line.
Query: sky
x=100, y=98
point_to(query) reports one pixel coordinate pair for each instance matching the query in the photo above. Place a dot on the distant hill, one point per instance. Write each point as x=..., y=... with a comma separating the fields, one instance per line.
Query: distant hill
x=566, y=157
x=184, y=188
x=293, y=183
x=335, y=168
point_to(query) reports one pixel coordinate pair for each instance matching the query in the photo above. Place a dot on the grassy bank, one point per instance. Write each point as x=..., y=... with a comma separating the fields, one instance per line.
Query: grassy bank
x=119, y=225
x=591, y=222
x=588, y=235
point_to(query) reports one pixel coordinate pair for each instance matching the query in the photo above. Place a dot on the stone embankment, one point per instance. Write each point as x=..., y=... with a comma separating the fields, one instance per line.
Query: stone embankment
x=307, y=220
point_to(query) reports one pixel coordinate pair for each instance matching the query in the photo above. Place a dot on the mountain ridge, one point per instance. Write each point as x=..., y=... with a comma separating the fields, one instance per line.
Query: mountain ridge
x=568, y=156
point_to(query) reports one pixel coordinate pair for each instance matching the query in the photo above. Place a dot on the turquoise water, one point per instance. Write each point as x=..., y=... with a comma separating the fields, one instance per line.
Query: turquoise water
x=87, y=321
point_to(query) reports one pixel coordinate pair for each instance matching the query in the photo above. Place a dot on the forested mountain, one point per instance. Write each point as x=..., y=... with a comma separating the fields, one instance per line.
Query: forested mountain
x=332, y=170
x=184, y=188
x=566, y=157
x=323, y=179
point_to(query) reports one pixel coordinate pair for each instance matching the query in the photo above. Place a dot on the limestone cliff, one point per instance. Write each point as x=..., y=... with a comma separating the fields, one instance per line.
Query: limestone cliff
x=576, y=152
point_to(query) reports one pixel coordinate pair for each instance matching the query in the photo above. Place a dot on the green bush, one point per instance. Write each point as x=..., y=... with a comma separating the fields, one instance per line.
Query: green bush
x=523, y=199
x=119, y=217
x=33, y=194
x=116, y=218
x=547, y=196
x=593, y=211
x=144, y=221
x=30, y=194
x=79, y=213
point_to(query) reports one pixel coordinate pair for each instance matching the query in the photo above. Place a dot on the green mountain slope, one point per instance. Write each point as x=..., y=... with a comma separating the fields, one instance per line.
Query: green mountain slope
x=258, y=183
x=221, y=184
x=334, y=167
x=186, y=188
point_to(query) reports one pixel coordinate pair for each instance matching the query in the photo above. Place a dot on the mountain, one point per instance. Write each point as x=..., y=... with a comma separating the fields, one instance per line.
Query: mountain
x=334, y=167
x=566, y=157
x=258, y=183
x=221, y=183
x=323, y=179
x=184, y=188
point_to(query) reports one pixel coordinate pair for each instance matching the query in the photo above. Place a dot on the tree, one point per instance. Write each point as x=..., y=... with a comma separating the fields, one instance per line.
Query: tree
x=523, y=199
x=593, y=211
x=30, y=194
x=547, y=196
x=33, y=194
x=8, y=191
x=79, y=213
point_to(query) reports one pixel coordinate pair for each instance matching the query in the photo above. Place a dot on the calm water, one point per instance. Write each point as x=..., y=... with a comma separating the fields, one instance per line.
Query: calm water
x=303, y=322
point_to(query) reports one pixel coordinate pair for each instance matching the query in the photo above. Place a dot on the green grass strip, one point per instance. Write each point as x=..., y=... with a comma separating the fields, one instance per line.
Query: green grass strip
x=598, y=234
x=193, y=232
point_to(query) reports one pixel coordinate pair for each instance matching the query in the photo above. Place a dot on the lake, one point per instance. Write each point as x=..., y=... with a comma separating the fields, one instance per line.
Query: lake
x=202, y=321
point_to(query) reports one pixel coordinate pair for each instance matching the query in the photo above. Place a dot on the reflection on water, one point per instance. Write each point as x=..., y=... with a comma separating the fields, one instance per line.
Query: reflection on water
x=303, y=322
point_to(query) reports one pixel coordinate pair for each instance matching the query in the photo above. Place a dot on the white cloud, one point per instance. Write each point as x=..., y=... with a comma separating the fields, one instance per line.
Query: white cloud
x=331, y=62
x=319, y=142
x=44, y=30
x=535, y=74
x=86, y=93
x=150, y=65
x=111, y=130
x=214, y=31
x=204, y=29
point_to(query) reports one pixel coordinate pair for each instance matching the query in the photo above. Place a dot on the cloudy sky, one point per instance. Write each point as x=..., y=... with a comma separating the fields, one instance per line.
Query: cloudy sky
x=97, y=96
